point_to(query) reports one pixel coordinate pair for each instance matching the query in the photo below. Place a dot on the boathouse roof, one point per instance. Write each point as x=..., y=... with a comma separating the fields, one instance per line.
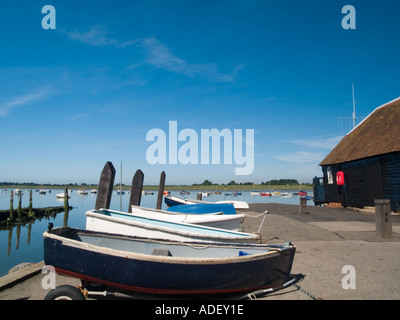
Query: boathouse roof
x=377, y=134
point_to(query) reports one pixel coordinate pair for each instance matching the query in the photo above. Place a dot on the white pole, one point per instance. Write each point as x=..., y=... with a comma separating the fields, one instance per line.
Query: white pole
x=354, y=108
x=120, y=189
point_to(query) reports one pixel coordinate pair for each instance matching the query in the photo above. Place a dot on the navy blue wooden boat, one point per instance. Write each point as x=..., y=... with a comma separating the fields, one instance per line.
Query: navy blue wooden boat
x=201, y=208
x=171, y=201
x=167, y=268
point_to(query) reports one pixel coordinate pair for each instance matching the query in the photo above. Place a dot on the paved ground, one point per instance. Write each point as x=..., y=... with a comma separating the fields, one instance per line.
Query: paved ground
x=327, y=240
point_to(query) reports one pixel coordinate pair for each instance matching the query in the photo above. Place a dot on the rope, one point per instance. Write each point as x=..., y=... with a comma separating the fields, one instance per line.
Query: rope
x=308, y=293
x=257, y=216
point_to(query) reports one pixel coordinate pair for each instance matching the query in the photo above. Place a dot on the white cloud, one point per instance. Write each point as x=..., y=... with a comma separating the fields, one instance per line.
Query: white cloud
x=328, y=143
x=160, y=56
x=302, y=157
x=157, y=54
x=6, y=107
x=97, y=35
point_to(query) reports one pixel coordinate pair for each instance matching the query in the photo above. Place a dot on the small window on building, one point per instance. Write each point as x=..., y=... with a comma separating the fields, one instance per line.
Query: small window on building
x=330, y=176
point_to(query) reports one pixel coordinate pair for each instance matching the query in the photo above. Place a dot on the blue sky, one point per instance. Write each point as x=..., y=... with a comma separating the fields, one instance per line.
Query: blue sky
x=89, y=91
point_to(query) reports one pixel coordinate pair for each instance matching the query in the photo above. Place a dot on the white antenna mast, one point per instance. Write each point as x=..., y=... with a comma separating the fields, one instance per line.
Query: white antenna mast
x=120, y=189
x=348, y=122
x=354, y=108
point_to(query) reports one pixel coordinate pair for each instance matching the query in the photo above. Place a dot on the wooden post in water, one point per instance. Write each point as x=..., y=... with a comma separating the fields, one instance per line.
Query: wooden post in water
x=66, y=205
x=136, y=189
x=30, y=211
x=19, y=210
x=12, y=205
x=160, y=191
x=105, y=186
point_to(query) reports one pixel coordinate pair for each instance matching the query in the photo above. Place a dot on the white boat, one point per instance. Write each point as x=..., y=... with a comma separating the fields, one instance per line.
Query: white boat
x=82, y=192
x=110, y=221
x=286, y=194
x=215, y=220
x=170, y=199
x=61, y=195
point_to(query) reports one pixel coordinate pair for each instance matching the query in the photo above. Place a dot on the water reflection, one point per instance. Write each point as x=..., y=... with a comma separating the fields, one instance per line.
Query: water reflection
x=27, y=221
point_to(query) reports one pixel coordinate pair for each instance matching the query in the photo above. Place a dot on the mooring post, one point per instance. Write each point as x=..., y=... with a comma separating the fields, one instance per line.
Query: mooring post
x=303, y=205
x=106, y=184
x=30, y=211
x=161, y=186
x=136, y=189
x=12, y=205
x=199, y=196
x=66, y=205
x=19, y=210
x=383, y=218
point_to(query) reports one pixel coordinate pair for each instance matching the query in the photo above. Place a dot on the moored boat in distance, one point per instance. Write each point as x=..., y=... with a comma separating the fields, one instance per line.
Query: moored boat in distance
x=167, y=268
x=61, y=195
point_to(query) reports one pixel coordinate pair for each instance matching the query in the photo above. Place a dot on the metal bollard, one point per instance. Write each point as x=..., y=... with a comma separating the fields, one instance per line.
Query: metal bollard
x=383, y=218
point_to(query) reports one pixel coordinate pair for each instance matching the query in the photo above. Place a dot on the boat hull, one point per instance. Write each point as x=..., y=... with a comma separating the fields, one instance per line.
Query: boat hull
x=131, y=225
x=166, y=275
x=201, y=208
x=171, y=201
x=214, y=220
x=175, y=201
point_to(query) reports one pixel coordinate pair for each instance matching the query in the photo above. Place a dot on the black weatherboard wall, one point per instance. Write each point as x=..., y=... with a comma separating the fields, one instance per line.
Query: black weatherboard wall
x=365, y=180
x=369, y=157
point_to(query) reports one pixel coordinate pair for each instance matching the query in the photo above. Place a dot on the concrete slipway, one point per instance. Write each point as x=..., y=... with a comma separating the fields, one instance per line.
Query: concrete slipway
x=327, y=239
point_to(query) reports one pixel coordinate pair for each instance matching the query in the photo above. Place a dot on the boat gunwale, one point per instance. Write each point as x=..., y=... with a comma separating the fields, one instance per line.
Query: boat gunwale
x=173, y=212
x=243, y=204
x=236, y=235
x=214, y=217
x=66, y=241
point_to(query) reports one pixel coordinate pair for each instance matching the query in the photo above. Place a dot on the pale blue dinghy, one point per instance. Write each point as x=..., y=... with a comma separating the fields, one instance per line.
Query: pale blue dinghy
x=105, y=220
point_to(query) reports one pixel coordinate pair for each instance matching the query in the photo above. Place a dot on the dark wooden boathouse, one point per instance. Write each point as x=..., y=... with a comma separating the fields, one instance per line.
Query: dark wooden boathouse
x=365, y=165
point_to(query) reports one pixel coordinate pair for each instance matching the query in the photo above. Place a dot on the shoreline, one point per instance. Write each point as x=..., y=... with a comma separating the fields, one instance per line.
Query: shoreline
x=256, y=187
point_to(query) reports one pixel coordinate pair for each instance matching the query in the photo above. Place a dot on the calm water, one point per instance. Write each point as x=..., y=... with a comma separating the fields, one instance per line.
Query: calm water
x=25, y=243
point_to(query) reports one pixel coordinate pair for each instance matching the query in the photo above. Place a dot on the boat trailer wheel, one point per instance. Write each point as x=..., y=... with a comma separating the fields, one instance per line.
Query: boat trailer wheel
x=65, y=292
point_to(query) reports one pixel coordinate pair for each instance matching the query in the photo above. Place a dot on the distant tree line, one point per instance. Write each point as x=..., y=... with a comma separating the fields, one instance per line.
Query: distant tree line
x=280, y=182
x=33, y=184
x=233, y=183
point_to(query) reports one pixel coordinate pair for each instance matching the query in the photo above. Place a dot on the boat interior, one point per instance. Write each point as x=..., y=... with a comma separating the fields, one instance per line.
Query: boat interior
x=161, y=247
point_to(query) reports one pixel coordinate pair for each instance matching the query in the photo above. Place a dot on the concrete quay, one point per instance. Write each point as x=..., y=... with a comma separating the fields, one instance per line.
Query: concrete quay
x=338, y=252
